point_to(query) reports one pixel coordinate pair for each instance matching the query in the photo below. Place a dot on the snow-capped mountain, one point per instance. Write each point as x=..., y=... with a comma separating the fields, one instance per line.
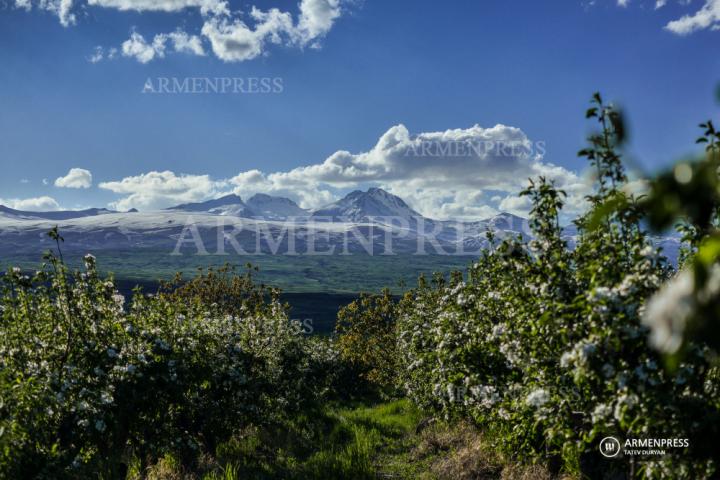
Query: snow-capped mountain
x=58, y=215
x=508, y=222
x=361, y=222
x=275, y=208
x=361, y=206
x=231, y=205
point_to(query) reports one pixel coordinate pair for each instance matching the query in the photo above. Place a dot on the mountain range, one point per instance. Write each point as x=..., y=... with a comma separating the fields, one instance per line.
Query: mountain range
x=373, y=221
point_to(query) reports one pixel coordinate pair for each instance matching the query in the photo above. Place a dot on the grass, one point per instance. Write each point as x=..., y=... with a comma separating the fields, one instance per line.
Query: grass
x=355, y=442
x=359, y=441
x=300, y=274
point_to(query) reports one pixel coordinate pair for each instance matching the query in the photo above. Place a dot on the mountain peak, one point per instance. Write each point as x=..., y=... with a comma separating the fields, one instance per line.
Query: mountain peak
x=275, y=208
x=508, y=221
x=231, y=198
x=360, y=206
x=206, y=206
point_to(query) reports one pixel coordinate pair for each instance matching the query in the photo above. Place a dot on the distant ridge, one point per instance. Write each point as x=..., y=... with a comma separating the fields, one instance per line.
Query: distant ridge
x=58, y=215
x=341, y=226
x=226, y=201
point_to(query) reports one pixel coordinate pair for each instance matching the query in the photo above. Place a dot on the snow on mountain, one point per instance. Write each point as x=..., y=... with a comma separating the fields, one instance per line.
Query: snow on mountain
x=350, y=224
x=259, y=206
x=208, y=205
x=58, y=215
x=361, y=206
x=275, y=208
x=230, y=205
x=508, y=222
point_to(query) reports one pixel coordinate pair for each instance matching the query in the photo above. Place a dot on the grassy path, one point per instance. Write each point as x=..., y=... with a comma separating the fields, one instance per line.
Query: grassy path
x=354, y=442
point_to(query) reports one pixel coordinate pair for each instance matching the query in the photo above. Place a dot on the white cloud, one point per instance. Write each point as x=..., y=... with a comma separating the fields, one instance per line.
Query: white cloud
x=707, y=17
x=38, y=204
x=463, y=173
x=76, y=178
x=137, y=47
x=442, y=174
x=99, y=54
x=309, y=194
x=154, y=190
x=61, y=8
x=206, y=7
x=23, y=4
x=317, y=18
x=233, y=36
x=235, y=41
x=184, y=43
x=144, y=52
x=515, y=204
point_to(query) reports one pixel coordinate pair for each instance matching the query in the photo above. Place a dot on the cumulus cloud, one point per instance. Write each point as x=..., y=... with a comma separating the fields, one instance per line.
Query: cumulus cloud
x=61, y=8
x=144, y=51
x=184, y=43
x=308, y=194
x=515, y=204
x=468, y=173
x=99, y=54
x=442, y=174
x=317, y=18
x=76, y=178
x=155, y=190
x=23, y=4
x=233, y=36
x=235, y=41
x=37, y=204
x=707, y=17
x=206, y=7
x=137, y=47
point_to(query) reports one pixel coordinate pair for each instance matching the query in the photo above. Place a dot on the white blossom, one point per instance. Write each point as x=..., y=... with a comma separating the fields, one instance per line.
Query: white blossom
x=538, y=398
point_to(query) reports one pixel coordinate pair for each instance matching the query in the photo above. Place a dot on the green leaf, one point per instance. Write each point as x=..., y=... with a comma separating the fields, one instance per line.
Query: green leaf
x=709, y=251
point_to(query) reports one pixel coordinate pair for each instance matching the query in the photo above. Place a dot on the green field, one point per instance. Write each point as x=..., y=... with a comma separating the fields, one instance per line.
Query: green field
x=297, y=274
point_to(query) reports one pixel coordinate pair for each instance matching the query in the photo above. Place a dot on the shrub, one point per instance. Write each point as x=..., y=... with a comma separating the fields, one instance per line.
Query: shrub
x=366, y=338
x=545, y=348
x=87, y=386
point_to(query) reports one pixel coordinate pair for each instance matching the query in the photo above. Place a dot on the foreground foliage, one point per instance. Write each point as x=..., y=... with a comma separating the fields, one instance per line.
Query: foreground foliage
x=547, y=348
x=89, y=386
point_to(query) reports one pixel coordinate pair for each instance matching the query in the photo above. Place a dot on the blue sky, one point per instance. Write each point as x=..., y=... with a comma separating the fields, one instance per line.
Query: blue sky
x=359, y=77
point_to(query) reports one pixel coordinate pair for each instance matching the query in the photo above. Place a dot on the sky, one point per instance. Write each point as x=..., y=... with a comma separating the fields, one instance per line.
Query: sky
x=110, y=103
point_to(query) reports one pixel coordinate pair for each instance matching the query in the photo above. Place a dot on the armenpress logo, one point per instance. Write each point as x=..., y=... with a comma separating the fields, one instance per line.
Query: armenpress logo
x=609, y=447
